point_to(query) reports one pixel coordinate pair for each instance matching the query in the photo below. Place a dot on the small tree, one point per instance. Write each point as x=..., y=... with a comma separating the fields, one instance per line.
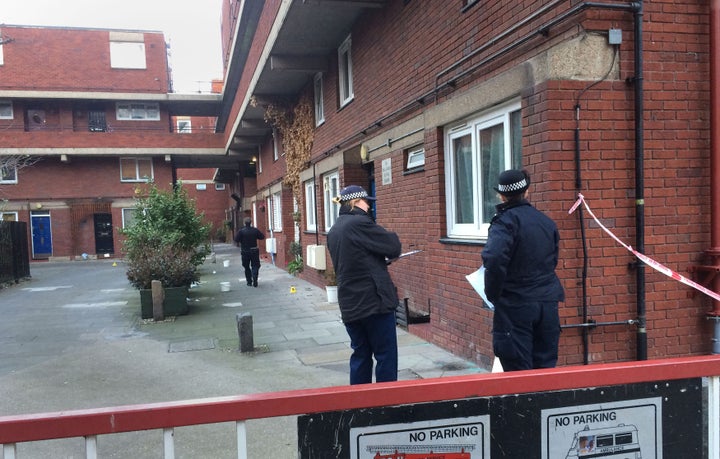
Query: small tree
x=167, y=240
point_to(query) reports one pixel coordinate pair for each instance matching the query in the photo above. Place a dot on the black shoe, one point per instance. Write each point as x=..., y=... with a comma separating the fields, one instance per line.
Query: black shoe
x=255, y=283
x=250, y=283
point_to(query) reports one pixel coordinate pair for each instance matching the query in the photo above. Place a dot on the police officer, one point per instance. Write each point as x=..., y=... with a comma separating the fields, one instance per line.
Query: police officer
x=247, y=238
x=520, y=280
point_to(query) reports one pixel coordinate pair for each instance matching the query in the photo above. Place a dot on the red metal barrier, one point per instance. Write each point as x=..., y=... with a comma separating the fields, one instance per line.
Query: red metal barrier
x=35, y=427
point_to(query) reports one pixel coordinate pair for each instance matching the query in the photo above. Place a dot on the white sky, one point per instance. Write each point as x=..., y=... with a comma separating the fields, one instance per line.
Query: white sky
x=191, y=27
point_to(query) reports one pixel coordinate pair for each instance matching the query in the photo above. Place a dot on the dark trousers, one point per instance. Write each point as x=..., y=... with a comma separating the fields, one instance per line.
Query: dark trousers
x=251, y=263
x=525, y=336
x=373, y=336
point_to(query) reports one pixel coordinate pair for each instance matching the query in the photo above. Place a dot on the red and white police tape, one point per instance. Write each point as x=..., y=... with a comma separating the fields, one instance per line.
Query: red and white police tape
x=645, y=259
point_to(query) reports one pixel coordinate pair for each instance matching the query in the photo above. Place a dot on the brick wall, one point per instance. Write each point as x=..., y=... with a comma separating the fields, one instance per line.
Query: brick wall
x=400, y=52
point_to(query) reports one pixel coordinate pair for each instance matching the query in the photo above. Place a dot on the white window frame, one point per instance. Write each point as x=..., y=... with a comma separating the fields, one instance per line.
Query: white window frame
x=275, y=144
x=274, y=205
x=477, y=226
x=219, y=187
x=318, y=99
x=127, y=55
x=126, y=215
x=345, y=73
x=137, y=177
x=137, y=111
x=310, y=206
x=8, y=177
x=6, y=110
x=415, y=158
x=184, y=126
x=331, y=189
x=13, y=216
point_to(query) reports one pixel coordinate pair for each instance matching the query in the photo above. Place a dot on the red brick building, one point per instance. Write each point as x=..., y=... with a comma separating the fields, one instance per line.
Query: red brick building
x=426, y=102
x=95, y=109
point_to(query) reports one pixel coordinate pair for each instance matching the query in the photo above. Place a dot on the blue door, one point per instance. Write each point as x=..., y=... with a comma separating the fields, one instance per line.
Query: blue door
x=41, y=236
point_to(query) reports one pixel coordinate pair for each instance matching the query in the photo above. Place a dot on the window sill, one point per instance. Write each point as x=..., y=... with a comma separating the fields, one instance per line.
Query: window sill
x=456, y=241
x=414, y=170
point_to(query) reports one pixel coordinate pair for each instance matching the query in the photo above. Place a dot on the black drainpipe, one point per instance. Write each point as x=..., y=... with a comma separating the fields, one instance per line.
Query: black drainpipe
x=640, y=183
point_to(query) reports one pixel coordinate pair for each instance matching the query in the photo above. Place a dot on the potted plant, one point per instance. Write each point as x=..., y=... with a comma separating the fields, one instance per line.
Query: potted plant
x=295, y=265
x=167, y=241
x=331, y=286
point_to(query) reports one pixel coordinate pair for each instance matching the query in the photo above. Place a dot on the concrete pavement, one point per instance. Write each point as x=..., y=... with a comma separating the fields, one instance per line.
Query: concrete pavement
x=72, y=338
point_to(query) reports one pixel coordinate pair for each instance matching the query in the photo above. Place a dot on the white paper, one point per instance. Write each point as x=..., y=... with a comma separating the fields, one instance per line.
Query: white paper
x=477, y=280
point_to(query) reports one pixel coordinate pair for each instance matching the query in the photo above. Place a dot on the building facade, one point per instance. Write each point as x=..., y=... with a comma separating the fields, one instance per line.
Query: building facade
x=424, y=103
x=93, y=111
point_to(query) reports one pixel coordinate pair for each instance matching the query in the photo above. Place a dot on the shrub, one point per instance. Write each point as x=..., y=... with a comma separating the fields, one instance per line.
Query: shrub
x=167, y=240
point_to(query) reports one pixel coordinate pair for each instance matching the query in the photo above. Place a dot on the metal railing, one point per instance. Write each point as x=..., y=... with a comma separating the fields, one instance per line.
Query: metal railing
x=168, y=416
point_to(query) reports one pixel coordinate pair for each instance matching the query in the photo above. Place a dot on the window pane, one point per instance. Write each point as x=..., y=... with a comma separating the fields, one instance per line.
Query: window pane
x=492, y=154
x=6, y=110
x=127, y=169
x=145, y=169
x=516, y=139
x=465, y=201
x=332, y=189
x=310, y=206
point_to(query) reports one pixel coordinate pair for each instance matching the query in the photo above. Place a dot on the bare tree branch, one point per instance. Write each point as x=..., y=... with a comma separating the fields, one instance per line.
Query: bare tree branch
x=9, y=163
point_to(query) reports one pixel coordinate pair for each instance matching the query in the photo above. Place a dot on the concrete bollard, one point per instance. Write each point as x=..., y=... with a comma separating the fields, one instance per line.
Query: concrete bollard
x=245, y=332
x=158, y=298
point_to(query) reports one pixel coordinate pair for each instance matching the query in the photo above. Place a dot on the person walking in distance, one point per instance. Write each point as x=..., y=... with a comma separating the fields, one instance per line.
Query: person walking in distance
x=367, y=296
x=247, y=238
x=520, y=258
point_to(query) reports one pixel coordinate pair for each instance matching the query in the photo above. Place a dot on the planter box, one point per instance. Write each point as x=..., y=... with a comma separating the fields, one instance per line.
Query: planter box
x=175, y=303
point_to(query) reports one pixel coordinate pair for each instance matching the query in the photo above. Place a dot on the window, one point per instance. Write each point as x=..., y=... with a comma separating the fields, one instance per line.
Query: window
x=6, y=110
x=184, y=126
x=8, y=174
x=331, y=189
x=275, y=142
x=201, y=186
x=136, y=169
x=96, y=121
x=310, y=209
x=127, y=55
x=128, y=216
x=477, y=151
x=274, y=203
x=219, y=186
x=345, y=72
x=137, y=111
x=319, y=106
x=8, y=216
x=415, y=158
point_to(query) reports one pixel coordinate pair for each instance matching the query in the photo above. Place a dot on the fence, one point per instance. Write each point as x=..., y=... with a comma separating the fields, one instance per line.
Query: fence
x=14, y=253
x=658, y=376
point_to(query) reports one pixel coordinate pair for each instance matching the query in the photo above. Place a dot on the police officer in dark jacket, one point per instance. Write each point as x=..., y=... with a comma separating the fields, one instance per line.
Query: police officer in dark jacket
x=247, y=238
x=367, y=296
x=520, y=259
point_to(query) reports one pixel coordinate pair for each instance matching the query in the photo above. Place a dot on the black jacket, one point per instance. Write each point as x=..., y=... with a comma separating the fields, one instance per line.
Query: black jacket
x=521, y=255
x=247, y=237
x=358, y=249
